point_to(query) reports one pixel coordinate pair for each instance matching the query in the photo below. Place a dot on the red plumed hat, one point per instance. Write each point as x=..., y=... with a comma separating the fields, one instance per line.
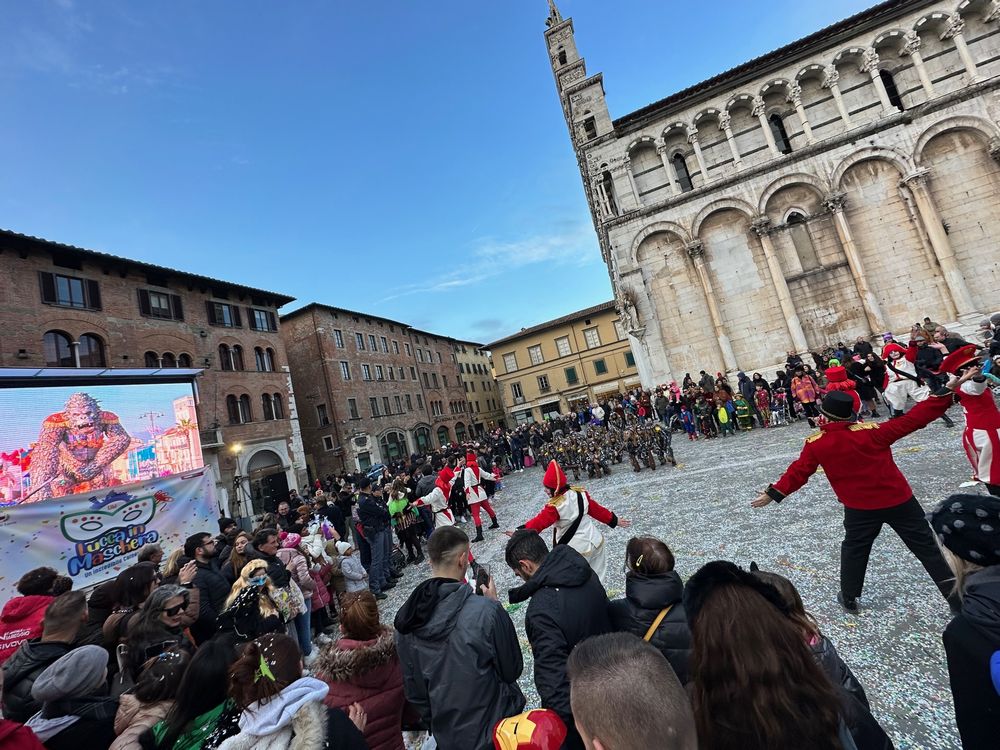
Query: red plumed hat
x=890, y=348
x=539, y=729
x=470, y=458
x=961, y=356
x=555, y=477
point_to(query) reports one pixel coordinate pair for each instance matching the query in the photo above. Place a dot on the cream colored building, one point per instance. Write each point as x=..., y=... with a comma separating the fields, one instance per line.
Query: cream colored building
x=485, y=404
x=841, y=186
x=549, y=368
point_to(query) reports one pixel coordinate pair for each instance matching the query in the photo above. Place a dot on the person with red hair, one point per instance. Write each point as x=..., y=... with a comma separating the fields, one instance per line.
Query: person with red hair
x=571, y=513
x=981, y=437
x=476, y=495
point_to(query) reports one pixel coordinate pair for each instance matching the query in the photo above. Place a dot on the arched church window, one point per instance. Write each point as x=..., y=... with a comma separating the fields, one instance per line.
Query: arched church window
x=804, y=248
x=562, y=57
x=682, y=172
x=891, y=90
x=780, y=134
x=589, y=128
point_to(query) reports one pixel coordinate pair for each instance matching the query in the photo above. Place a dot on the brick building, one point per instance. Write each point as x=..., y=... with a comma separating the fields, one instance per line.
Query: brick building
x=65, y=306
x=552, y=367
x=841, y=186
x=371, y=389
x=485, y=404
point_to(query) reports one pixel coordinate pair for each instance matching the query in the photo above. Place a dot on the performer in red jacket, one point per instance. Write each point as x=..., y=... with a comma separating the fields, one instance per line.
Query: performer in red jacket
x=857, y=459
x=981, y=438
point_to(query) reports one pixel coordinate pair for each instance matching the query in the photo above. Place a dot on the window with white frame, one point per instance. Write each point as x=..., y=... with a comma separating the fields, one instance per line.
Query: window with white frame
x=535, y=354
x=328, y=442
x=338, y=338
x=592, y=337
x=563, y=347
x=620, y=331
x=359, y=338
x=510, y=362
x=366, y=372
x=345, y=370
x=515, y=390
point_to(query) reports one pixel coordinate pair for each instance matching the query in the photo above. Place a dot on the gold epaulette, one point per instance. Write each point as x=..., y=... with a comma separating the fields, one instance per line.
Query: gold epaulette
x=814, y=437
x=557, y=500
x=863, y=426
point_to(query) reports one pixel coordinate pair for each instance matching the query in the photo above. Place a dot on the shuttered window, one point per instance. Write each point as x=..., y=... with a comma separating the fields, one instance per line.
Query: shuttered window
x=69, y=291
x=160, y=305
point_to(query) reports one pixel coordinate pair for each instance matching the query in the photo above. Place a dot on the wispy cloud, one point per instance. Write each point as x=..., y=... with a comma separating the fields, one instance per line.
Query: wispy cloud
x=492, y=257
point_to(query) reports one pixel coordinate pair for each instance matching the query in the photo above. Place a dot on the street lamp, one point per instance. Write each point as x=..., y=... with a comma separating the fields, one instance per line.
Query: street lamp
x=235, y=502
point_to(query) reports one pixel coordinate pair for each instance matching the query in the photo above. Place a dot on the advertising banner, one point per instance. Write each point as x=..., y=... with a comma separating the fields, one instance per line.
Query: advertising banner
x=71, y=440
x=92, y=536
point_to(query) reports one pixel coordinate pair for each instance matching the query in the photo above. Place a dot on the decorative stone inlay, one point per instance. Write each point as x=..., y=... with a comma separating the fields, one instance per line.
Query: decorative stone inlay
x=758, y=106
x=795, y=95
x=725, y=120
x=693, y=137
x=835, y=202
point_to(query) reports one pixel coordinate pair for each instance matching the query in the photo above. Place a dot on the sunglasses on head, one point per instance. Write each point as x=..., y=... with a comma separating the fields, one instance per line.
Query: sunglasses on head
x=174, y=611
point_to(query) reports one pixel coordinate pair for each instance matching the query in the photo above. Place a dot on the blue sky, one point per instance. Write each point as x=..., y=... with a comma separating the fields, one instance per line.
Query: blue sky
x=403, y=157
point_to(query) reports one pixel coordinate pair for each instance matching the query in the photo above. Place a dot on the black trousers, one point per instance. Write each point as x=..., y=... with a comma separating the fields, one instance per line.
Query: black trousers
x=862, y=527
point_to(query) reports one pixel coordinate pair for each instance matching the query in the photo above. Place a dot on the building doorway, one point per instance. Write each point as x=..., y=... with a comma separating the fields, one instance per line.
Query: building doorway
x=392, y=446
x=268, y=481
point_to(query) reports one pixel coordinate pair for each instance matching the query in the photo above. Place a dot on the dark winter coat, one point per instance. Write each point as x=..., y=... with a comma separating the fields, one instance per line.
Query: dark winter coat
x=837, y=670
x=746, y=386
x=214, y=588
x=461, y=661
x=372, y=512
x=367, y=672
x=645, y=598
x=568, y=604
x=969, y=641
x=425, y=486
x=95, y=728
x=20, y=672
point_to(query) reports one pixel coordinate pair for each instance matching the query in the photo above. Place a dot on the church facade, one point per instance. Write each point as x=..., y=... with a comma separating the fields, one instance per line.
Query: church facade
x=844, y=185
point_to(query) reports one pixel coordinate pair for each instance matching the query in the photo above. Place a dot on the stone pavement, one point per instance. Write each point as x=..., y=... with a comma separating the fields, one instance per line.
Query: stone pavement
x=701, y=509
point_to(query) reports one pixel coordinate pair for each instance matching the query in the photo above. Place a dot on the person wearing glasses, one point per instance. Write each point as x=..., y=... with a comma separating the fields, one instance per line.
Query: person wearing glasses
x=161, y=625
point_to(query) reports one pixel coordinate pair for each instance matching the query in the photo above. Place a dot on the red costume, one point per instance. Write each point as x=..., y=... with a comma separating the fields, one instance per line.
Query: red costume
x=857, y=459
x=981, y=438
x=837, y=380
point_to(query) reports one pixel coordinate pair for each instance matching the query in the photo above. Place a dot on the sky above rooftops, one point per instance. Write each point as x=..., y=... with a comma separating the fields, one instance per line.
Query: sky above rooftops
x=404, y=158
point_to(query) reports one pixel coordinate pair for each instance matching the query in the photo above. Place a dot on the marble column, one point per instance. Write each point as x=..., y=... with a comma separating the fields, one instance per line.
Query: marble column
x=834, y=203
x=992, y=12
x=911, y=48
x=761, y=226
x=916, y=183
x=795, y=99
x=831, y=80
x=696, y=250
x=597, y=186
x=759, y=110
x=675, y=188
x=627, y=166
x=953, y=31
x=725, y=125
x=870, y=65
x=693, y=140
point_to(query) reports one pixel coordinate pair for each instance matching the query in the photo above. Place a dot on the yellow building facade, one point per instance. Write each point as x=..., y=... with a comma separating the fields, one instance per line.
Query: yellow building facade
x=551, y=367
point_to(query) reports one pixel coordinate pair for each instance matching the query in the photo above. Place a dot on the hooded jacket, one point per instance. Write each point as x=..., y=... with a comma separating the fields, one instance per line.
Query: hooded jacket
x=645, y=598
x=295, y=718
x=367, y=672
x=20, y=673
x=969, y=641
x=568, y=604
x=461, y=662
x=21, y=621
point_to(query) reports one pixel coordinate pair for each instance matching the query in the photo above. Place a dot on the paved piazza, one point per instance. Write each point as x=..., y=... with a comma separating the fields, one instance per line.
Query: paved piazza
x=701, y=509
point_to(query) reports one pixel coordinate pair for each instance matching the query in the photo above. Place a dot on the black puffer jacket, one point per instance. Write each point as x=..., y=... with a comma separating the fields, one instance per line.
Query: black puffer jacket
x=645, y=598
x=19, y=674
x=568, y=604
x=837, y=670
x=461, y=660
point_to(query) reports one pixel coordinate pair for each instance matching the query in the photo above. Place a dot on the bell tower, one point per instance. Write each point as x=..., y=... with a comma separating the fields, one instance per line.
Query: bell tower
x=582, y=97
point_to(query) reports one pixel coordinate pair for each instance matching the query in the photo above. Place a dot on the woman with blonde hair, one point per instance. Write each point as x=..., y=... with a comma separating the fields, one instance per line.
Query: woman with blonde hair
x=237, y=557
x=252, y=607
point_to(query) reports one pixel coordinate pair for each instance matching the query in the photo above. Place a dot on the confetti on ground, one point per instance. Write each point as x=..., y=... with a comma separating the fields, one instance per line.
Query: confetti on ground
x=893, y=645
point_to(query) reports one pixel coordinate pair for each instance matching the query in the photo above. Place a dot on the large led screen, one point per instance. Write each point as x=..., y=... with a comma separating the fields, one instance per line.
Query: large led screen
x=57, y=440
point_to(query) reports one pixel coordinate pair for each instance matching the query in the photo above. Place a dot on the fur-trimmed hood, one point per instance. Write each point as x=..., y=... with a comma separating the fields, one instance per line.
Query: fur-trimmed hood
x=719, y=573
x=349, y=660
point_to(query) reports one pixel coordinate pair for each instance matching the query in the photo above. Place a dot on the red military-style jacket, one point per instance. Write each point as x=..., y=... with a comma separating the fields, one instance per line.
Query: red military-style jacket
x=857, y=458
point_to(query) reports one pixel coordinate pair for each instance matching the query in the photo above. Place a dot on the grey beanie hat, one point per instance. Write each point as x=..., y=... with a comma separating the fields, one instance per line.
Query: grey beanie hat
x=79, y=673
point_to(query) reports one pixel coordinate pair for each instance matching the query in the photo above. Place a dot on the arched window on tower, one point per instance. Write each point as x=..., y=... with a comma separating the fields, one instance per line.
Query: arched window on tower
x=237, y=357
x=891, y=90
x=233, y=409
x=225, y=358
x=267, y=406
x=681, y=170
x=562, y=57
x=151, y=360
x=804, y=248
x=609, y=192
x=246, y=415
x=169, y=360
x=590, y=128
x=780, y=134
x=184, y=360
x=279, y=407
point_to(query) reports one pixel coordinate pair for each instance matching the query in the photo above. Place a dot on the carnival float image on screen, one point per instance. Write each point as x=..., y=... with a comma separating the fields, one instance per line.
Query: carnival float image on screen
x=57, y=441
